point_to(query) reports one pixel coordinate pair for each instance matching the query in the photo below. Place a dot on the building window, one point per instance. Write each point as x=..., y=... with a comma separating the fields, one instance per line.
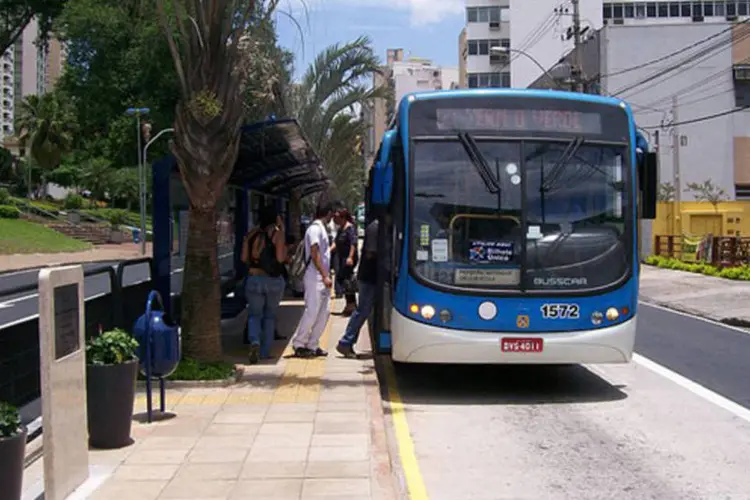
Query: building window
x=482, y=47
x=685, y=9
x=731, y=9
x=651, y=9
x=629, y=11
x=719, y=9
x=488, y=80
x=708, y=9
x=674, y=9
x=663, y=9
x=640, y=11
x=487, y=14
x=617, y=11
x=697, y=9
x=742, y=8
x=607, y=11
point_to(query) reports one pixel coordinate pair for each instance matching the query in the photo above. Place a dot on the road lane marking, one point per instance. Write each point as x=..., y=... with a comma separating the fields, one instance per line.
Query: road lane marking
x=409, y=464
x=693, y=316
x=697, y=389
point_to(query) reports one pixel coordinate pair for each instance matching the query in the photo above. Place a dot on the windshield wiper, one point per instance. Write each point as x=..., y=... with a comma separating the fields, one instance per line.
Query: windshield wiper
x=568, y=153
x=477, y=159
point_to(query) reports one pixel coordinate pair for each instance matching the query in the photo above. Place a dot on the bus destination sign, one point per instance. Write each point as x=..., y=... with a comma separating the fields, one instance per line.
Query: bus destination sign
x=518, y=120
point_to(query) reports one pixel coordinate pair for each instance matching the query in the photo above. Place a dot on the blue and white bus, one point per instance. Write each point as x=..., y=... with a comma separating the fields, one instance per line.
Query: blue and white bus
x=509, y=227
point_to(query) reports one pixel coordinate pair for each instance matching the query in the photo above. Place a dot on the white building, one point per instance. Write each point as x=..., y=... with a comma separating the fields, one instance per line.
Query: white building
x=416, y=74
x=487, y=25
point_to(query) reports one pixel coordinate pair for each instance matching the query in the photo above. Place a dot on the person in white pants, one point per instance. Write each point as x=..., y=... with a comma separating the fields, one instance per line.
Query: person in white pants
x=317, y=283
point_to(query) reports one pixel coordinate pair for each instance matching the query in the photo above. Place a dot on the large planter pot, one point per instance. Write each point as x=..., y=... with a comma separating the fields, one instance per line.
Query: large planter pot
x=110, y=393
x=116, y=236
x=12, y=451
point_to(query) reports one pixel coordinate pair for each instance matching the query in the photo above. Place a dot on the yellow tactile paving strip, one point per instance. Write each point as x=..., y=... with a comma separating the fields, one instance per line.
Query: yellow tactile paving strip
x=300, y=383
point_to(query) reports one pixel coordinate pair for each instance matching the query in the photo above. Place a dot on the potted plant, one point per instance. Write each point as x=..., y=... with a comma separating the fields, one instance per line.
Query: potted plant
x=116, y=219
x=12, y=450
x=111, y=371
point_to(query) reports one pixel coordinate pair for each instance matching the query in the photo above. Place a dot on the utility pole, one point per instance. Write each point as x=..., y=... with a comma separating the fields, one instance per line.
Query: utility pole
x=576, y=71
x=676, y=210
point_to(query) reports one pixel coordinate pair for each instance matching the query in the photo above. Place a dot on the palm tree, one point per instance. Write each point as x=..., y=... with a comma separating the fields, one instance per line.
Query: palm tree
x=45, y=124
x=324, y=102
x=212, y=48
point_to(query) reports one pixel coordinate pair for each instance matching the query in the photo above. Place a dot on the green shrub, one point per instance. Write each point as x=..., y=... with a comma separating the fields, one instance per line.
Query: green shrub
x=111, y=348
x=10, y=420
x=5, y=198
x=741, y=273
x=73, y=202
x=9, y=212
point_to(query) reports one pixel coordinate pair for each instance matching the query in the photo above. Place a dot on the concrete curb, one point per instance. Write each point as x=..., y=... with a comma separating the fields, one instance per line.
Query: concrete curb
x=737, y=322
x=383, y=482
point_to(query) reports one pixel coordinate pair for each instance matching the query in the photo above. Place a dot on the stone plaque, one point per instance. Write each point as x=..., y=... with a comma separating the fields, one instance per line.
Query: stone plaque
x=67, y=327
x=63, y=380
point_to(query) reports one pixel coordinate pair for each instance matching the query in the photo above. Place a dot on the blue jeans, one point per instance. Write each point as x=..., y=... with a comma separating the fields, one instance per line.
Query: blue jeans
x=364, y=308
x=263, y=295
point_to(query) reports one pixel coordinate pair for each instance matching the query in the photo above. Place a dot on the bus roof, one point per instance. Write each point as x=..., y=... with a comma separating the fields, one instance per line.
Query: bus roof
x=507, y=92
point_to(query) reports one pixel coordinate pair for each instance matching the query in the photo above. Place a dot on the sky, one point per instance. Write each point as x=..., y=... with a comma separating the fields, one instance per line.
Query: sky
x=423, y=28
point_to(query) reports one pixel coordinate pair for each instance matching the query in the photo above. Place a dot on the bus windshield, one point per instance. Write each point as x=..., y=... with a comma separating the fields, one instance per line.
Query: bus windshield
x=560, y=219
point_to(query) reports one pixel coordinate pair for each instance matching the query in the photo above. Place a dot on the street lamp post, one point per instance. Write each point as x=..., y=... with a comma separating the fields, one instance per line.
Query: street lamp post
x=138, y=112
x=508, y=50
x=145, y=160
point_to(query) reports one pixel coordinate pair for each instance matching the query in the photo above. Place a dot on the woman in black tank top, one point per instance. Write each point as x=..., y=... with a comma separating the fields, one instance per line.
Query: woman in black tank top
x=264, y=252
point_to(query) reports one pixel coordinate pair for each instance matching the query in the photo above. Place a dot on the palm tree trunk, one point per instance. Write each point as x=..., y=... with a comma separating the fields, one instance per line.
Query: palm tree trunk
x=295, y=213
x=201, y=288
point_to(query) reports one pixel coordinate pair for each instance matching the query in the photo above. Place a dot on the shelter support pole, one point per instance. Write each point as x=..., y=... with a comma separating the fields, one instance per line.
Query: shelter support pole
x=162, y=233
x=241, y=226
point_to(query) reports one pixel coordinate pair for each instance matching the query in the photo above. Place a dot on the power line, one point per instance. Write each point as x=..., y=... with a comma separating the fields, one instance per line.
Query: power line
x=694, y=58
x=672, y=54
x=701, y=119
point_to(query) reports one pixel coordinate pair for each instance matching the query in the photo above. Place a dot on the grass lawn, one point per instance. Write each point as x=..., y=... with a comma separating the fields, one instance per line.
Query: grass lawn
x=20, y=236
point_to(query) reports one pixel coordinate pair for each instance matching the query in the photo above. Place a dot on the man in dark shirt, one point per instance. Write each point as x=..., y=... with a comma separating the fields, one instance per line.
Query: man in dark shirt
x=367, y=277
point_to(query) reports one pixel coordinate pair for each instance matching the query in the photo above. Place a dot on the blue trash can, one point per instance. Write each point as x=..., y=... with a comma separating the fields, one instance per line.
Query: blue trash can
x=166, y=344
x=136, y=235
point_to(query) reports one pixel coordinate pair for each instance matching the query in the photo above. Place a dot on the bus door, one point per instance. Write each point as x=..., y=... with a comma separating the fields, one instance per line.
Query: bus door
x=390, y=243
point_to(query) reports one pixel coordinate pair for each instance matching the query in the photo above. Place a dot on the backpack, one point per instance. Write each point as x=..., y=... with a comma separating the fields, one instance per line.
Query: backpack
x=267, y=258
x=299, y=263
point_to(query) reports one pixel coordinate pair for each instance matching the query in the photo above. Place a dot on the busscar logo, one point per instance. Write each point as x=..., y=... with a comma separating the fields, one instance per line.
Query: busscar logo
x=550, y=281
x=522, y=321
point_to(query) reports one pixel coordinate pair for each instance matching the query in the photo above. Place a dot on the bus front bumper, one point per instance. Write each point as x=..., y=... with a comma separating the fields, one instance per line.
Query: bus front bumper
x=414, y=342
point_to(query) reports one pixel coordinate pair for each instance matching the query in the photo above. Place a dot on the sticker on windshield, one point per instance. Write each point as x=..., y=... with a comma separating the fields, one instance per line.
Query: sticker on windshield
x=424, y=235
x=560, y=311
x=491, y=251
x=440, y=250
x=534, y=233
x=423, y=255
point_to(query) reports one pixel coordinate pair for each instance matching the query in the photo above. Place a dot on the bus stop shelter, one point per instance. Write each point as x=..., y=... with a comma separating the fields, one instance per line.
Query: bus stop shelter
x=275, y=159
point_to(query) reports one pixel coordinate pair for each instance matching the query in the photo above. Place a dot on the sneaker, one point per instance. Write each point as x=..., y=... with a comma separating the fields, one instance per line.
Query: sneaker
x=319, y=353
x=346, y=350
x=254, y=355
x=302, y=352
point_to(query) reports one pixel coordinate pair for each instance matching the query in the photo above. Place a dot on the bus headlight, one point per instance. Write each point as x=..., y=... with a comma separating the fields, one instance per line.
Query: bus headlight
x=597, y=317
x=428, y=312
x=612, y=314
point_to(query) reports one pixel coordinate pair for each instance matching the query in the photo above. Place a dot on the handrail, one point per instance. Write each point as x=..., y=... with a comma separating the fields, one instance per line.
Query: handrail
x=32, y=208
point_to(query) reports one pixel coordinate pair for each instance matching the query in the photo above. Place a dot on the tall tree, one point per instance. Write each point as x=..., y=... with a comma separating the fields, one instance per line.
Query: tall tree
x=118, y=57
x=15, y=15
x=45, y=124
x=211, y=49
x=333, y=87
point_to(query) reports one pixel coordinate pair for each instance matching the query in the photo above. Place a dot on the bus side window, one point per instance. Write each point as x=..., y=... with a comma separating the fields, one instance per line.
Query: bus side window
x=398, y=205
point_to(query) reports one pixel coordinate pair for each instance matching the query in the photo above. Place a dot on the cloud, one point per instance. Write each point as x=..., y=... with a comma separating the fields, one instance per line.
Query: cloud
x=421, y=12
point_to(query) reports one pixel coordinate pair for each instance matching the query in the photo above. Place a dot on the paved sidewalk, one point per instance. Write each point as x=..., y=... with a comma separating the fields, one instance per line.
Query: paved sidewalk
x=296, y=429
x=718, y=299
x=100, y=253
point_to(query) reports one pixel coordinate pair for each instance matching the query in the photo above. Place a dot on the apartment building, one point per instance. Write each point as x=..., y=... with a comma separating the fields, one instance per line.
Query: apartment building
x=630, y=12
x=487, y=26
x=403, y=75
x=27, y=69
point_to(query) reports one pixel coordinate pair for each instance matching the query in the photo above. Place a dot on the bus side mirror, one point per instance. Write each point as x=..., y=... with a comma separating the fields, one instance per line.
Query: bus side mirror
x=648, y=181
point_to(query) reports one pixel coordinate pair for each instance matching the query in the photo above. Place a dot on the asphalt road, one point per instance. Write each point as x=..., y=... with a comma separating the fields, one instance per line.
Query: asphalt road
x=24, y=305
x=587, y=432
